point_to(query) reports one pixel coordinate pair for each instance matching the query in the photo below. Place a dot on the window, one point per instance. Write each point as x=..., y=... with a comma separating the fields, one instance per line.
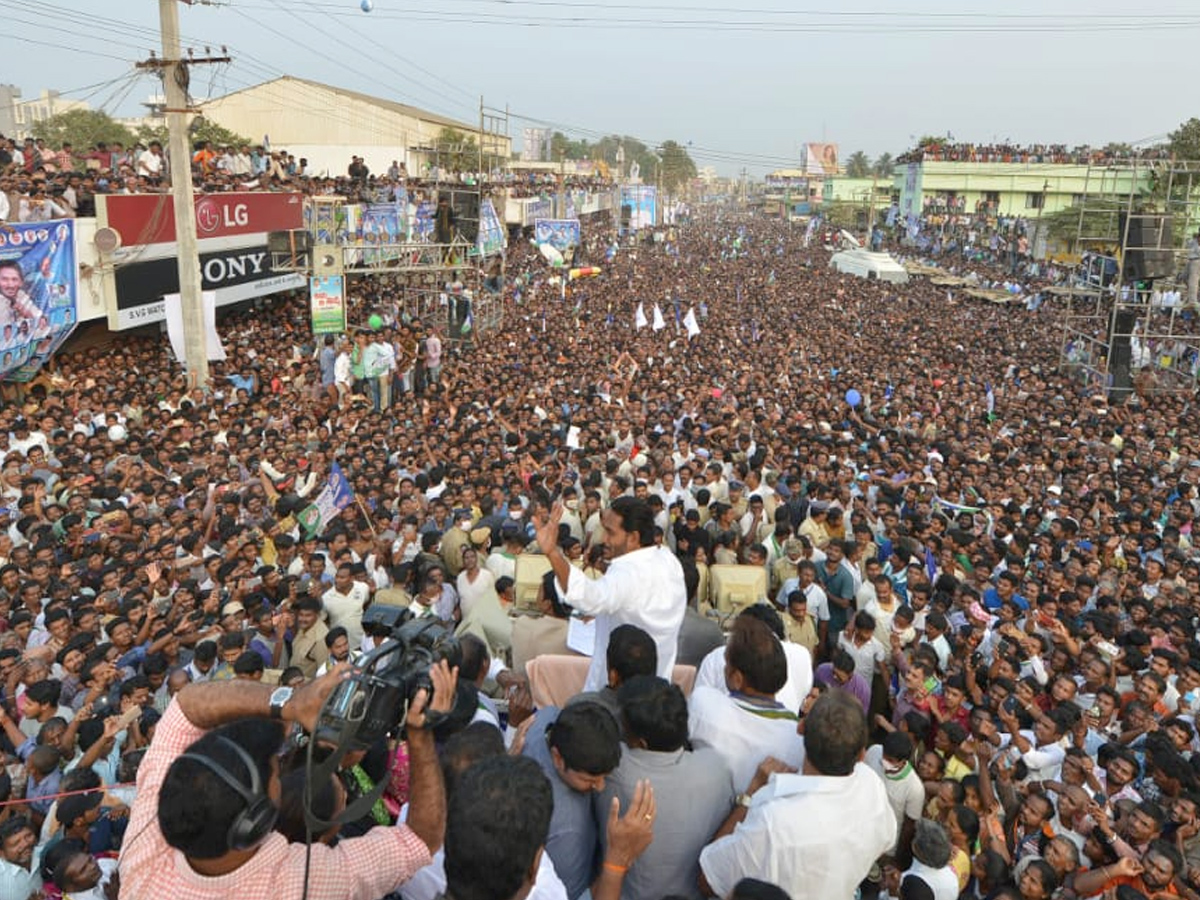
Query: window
x=1034, y=199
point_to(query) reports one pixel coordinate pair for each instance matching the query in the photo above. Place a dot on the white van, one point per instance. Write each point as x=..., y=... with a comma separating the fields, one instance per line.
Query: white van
x=872, y=266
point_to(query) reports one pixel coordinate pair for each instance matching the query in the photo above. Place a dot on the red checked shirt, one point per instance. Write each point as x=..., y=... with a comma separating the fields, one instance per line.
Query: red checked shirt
x=360, y=868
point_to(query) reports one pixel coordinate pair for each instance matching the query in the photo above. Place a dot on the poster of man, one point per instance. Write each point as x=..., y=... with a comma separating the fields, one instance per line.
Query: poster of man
x=38, y=290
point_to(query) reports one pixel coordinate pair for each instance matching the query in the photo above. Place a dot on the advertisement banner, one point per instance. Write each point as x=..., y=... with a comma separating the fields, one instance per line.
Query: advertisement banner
x=639, y=203
x=39, y=284
x=236, y=274
x=820, y=159
x=143, y=219
x=382, y=223
x=561, y=234
x=328, y=299
x=492, y=237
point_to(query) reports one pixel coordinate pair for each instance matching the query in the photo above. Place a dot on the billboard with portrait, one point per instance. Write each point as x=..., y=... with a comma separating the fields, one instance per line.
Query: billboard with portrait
x=561, y=234
x=639, y=206
x=820, y=159
x=39, y=284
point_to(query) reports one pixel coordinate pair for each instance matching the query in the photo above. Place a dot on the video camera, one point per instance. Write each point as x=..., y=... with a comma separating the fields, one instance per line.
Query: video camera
x=374, y=700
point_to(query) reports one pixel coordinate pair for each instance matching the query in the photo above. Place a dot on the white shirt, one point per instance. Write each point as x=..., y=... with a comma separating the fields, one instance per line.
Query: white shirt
x=1044, y=762
x=943, y=882
x=743, y=734
x=643, y=587
x=346, y=609
x=799, y=681
x=866, y=658
x=818, y=600
x=816, y=836
x=905, y=795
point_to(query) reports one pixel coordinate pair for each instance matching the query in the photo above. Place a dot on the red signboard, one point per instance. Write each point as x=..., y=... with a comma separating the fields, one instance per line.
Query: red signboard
x=150, y=218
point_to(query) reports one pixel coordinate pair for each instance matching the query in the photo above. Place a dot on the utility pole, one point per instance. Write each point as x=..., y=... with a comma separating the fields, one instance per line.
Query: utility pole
x=175, y=75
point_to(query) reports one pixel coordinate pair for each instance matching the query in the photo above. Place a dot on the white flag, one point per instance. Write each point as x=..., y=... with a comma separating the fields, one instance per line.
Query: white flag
x=639, y=320
x=659, y=322
x=690, y=323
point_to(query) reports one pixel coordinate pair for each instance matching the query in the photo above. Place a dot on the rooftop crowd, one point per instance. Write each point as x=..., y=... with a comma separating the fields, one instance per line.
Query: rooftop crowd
x=973, y=670
x=1004, y=152
x=39, y=182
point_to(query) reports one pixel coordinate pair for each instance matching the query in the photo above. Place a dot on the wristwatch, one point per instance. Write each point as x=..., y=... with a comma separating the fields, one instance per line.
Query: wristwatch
x=279, y=698
x=744, y=800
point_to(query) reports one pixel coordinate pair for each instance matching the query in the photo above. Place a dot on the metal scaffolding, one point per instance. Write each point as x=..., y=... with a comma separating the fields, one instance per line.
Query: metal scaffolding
x=1126, y=319
x=449, y=284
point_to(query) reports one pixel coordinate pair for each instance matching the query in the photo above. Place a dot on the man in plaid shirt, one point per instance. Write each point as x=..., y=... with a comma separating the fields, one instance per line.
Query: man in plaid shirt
x=177, y=844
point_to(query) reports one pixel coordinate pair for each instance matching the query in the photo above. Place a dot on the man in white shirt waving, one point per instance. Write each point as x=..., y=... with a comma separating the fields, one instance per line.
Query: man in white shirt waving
x=643, y=586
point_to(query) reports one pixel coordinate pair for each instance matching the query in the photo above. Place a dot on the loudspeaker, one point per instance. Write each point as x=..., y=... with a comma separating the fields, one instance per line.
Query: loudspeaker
x=466, y=214
x=254, y=822
x=327, y=260
x=1120, y=354
x=1148, y=243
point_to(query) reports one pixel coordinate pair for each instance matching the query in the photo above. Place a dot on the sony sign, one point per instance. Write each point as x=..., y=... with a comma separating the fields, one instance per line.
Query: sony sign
x=235, y=275
x=224, y=268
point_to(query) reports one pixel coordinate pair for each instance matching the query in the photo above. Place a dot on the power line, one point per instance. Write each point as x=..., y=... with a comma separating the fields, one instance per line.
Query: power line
x=542, y=20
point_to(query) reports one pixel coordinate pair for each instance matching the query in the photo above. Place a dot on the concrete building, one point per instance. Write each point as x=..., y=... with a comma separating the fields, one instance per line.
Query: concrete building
x=1011, y=189
x=328, y=125
x=17, y=116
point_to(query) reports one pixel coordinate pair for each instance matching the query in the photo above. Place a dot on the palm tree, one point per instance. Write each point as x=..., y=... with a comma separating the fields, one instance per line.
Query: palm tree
x=858, y=165
x=884, y=166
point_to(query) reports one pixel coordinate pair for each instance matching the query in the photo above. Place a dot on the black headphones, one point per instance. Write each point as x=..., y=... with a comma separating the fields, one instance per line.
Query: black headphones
x=254, y=822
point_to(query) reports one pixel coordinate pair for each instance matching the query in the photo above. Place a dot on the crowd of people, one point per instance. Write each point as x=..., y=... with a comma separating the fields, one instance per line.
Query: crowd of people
x=39, y=183
x=949, y=150
x=968, y=666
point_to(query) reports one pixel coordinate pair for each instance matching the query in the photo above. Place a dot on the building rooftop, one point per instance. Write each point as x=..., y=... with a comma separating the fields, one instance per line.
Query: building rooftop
x=381, y=102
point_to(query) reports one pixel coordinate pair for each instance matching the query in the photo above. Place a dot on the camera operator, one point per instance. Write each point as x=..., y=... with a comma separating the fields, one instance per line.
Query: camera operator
x=208, y=792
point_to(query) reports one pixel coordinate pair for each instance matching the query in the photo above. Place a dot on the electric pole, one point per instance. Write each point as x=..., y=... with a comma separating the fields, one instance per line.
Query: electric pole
x=175, y=75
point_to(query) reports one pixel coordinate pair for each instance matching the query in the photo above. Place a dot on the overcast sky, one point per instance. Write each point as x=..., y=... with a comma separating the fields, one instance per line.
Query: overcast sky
x=746, y=83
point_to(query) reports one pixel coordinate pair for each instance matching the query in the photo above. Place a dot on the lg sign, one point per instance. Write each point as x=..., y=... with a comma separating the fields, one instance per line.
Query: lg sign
x=214, y=214
x=143, y=219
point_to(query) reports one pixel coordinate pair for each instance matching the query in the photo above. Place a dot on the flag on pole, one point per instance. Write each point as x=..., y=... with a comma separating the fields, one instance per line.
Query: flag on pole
x=468, y=322
x=639, y=318
x=690, y=323
x=991, y=399
x=659, y=322
x=334, y=497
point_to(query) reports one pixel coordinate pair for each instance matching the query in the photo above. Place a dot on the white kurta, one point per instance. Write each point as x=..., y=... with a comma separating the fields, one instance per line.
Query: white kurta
x=644, y=588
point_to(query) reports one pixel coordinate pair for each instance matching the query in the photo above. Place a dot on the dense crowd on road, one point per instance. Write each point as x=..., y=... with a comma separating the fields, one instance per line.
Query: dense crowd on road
x=884, y=604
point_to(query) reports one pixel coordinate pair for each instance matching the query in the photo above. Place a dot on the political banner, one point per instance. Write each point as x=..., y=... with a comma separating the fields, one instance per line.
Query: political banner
x=639, y=207
x=492, y=237
x=326, y=222
x=39, y=284
x=327, y=295
x=424, y=227
x=910, y=194
x=561, y=234
x=334, y=497
x=382, y=223
x=542, y=208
